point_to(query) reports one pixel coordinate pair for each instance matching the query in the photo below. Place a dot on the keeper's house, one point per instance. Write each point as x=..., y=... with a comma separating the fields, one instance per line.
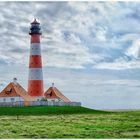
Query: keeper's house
x=14, y=92
x=54, y=95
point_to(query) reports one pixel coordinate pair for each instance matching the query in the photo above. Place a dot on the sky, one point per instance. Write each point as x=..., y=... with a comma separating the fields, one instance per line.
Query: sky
x=90, y=50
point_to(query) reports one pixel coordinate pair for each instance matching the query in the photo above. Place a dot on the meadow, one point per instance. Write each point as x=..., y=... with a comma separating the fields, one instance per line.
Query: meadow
x=67, y=122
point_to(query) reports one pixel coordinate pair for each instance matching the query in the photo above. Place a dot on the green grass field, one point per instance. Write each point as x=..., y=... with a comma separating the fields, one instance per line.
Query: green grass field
x=67, y=122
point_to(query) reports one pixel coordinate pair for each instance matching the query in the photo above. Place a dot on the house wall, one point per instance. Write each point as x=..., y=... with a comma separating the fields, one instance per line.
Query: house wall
x=37, y=98
x=11, y=99
x=55, y=100
x=50, y=103
x=38, y=103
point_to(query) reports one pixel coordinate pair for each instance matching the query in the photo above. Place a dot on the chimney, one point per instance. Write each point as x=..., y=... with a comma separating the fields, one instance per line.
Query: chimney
x=15, y=81
x=52, y=85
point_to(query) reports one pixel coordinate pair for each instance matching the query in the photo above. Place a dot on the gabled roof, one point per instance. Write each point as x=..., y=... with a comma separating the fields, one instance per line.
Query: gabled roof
x=53, y=92
x=13, y=90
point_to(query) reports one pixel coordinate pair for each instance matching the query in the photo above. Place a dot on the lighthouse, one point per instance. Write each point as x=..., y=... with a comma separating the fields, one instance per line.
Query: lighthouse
x=35, y=79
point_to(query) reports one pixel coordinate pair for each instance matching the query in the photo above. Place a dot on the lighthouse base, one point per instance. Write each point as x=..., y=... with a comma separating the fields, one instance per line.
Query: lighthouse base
x=37, y=98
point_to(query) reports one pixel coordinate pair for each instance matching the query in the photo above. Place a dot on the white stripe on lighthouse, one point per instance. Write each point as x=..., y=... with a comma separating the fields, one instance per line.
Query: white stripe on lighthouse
x=35, y=74
x=35, y=49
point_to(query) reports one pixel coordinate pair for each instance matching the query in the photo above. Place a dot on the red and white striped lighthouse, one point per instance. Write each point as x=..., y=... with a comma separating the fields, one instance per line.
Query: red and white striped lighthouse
x=35, y=81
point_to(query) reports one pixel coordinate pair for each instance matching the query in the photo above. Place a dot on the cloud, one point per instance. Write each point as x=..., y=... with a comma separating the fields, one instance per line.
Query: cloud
x=87, y=48
x=75, y=34
x=134, y=49
x=119, y=64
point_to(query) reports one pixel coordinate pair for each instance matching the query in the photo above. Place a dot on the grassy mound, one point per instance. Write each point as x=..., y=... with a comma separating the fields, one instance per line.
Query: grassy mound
x=46, y=110
x=72, y=122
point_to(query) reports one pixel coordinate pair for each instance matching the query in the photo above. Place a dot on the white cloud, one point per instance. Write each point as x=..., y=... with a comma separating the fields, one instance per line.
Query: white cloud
x=119, y=64
x=67, y=56
x=134, y=49
x=101, y=35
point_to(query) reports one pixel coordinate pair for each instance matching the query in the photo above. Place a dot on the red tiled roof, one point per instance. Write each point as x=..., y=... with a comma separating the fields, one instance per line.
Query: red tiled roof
x=53, y=92
x=15, y=90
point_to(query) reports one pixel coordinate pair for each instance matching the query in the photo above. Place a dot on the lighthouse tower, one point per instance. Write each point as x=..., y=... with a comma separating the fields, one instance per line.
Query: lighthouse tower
x=35, y=81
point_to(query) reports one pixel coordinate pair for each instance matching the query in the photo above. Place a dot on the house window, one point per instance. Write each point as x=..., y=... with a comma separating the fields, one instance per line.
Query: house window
x=4, y=100
x=12, y=99
x=50, y=94
x=37, y=99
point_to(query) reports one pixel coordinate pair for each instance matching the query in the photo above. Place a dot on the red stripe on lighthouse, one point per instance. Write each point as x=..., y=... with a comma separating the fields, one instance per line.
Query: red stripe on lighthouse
x=35, y=38
x=35, y=61
x=35, y=87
